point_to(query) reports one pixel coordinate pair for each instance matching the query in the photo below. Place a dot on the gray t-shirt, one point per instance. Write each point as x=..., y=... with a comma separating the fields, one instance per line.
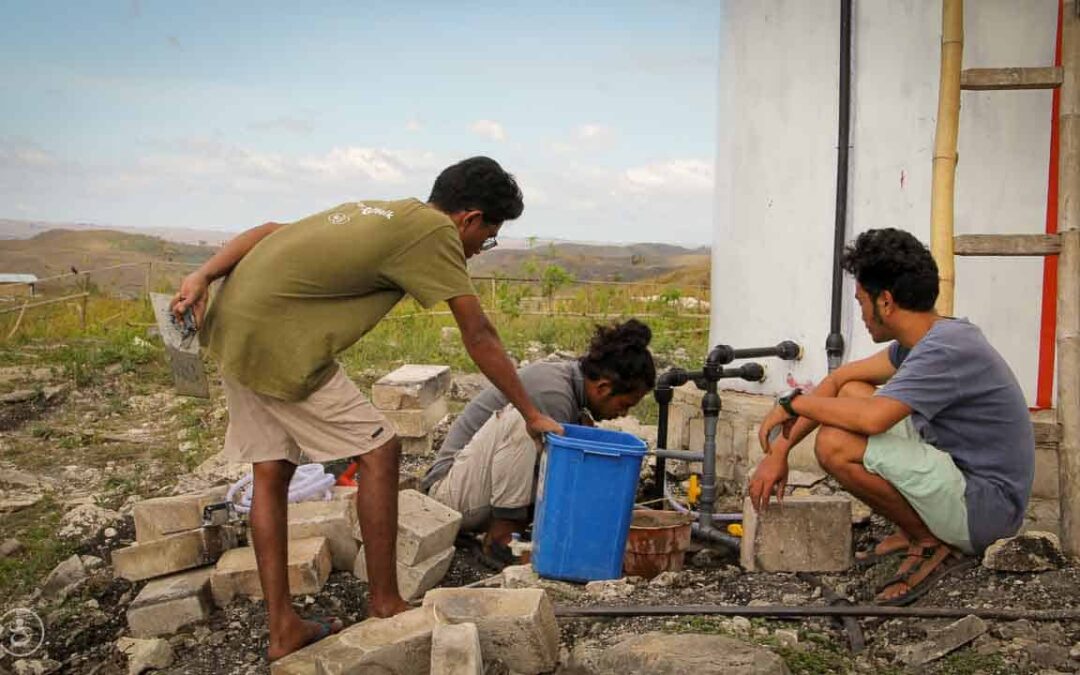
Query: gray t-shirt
x=557, y=388
x=966, y=401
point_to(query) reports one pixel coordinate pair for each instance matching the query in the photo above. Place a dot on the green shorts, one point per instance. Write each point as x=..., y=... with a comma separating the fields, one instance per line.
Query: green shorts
x=926, y=477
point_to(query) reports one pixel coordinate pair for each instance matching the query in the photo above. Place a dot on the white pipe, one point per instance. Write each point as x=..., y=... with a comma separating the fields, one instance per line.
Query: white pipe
x=310, y=482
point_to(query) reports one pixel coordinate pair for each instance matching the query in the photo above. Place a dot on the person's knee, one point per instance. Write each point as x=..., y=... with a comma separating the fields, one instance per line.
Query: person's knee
x=828, y=448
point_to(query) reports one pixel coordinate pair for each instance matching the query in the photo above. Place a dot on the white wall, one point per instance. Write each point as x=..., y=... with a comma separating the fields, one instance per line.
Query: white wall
x=776, y=167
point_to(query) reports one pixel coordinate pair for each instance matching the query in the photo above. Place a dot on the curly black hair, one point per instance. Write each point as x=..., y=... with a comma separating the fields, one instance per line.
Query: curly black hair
x=478, y=183
x=894, y=260
x=620, y=353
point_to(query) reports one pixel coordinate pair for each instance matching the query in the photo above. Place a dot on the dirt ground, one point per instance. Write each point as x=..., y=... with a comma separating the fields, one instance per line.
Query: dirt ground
x=124, y=436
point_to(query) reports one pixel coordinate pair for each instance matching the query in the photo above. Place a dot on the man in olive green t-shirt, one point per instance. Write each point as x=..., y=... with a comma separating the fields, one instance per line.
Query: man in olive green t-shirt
x=295, y=296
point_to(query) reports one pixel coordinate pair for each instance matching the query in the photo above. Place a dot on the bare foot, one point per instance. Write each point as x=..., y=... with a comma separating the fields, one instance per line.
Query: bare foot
x=306, y=633
x=383, y=609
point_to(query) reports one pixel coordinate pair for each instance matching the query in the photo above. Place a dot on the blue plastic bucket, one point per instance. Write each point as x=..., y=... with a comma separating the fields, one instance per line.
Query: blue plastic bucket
x=585, y=500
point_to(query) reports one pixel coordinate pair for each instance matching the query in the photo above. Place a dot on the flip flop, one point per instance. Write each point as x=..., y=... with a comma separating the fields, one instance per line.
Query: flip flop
x=952, y=563
x=866, y=558
x=326, y=629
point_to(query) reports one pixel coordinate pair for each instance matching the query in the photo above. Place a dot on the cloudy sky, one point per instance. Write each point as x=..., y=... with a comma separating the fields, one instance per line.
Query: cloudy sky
x=222, y=115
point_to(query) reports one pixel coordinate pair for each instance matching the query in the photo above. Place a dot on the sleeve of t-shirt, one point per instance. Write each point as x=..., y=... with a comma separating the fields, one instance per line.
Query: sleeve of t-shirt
x=925, y=380
x=433, y=269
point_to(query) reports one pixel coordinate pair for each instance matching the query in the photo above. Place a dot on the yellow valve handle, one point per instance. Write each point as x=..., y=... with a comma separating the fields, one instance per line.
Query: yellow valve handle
x=693, y=491
x=735, y=529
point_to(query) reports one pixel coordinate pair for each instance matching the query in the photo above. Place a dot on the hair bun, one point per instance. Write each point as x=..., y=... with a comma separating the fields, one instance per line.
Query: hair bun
x=633, y=333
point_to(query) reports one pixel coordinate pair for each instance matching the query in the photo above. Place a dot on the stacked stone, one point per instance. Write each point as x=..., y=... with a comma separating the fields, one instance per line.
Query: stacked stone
x=413, y=398
x=425, y=543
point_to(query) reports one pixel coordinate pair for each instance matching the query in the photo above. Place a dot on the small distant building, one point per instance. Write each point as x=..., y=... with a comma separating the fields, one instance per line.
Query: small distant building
x=14, y=285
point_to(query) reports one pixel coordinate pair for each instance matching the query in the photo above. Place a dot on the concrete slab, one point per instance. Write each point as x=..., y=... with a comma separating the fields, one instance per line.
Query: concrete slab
x=411, y=386
x=807, y=534
x=237, y=573
x=425, y=527
x=677, y=654
x=162, y=516
x=168, y=604
x=413, y=580
x=455, y=650
x=416, y=447
x=174, y=553
x=516, y=626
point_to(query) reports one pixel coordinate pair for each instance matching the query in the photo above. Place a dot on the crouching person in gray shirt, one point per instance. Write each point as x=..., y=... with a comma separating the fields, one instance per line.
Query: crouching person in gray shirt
x=944, y=448
x=486, y=467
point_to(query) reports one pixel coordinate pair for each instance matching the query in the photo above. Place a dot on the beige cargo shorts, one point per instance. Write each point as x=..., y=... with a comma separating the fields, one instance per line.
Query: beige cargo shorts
x=494, y=475
x=334, y=422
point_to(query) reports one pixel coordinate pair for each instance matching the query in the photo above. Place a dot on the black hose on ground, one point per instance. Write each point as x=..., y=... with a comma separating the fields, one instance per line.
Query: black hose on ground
x=803, y=611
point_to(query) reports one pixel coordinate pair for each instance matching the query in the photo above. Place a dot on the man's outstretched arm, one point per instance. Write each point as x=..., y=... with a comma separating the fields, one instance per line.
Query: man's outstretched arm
x=486, y=350
x=193, y=288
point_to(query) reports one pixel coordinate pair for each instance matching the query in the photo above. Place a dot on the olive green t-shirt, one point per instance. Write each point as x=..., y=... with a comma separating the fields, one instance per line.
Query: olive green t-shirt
x=314, y=287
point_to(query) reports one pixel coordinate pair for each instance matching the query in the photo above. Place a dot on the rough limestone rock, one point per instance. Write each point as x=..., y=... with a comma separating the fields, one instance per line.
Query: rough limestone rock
x=84, y=522
x=64, y=578
x=1028, y=552
x=144, y=655
x=955, y=635
x=667, y=654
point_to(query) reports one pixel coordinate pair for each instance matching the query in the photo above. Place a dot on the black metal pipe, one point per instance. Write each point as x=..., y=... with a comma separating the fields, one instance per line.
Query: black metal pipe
x=724, y=354
x=834, y=343
x=802, y=611
x=715, y=535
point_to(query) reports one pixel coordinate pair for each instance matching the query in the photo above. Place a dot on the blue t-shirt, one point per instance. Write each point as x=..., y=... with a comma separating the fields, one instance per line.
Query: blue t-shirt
x=966, y=401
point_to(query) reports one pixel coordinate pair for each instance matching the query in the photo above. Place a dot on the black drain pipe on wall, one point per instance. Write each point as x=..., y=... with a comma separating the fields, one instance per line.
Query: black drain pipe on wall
x=834, y=344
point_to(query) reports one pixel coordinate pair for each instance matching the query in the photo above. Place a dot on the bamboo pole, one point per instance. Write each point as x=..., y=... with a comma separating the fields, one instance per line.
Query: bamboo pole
x=948, y=126
x=1068, y=328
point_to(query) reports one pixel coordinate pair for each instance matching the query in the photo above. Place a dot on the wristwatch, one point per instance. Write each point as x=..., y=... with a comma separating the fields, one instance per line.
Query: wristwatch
x=785, y=399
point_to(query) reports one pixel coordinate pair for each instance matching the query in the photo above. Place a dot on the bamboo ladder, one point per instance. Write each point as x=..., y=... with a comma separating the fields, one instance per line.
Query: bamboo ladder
x=1063, y=243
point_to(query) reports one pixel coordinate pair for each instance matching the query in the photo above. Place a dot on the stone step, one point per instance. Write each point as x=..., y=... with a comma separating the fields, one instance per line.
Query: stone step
x=516, y=626
x=413, y=580
x=335, y=520
x=237, y=573
x=167, y=604
x=174, y=552
x=425, y=527
x=455, y=650
x=162, y=516
x=400, y=644
x=416, y=423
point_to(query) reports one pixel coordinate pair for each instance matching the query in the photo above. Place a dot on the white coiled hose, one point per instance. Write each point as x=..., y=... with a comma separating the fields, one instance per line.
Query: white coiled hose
x=309, y=483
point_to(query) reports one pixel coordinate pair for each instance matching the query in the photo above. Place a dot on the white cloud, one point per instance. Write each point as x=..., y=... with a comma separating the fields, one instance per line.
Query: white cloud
x=676, y=176
x=489, y=129
x=593, y=132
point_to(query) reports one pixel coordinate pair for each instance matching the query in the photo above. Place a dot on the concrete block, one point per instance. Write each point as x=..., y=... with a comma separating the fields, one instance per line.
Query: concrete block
x=237, y=573
x=335, y=520
x=807, y=534
x=413, y=580
x=411, y=387
x=425, y=527
x=941, y=642
x=416, y=447
x=416, y=423
x=167, y=604
x=173, y=553
x=516, y=627
x=161, y=516
x=455, y=650
x=400, y=644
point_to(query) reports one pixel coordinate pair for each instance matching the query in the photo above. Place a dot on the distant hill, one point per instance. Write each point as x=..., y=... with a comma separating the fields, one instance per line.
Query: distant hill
x=56, y=251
